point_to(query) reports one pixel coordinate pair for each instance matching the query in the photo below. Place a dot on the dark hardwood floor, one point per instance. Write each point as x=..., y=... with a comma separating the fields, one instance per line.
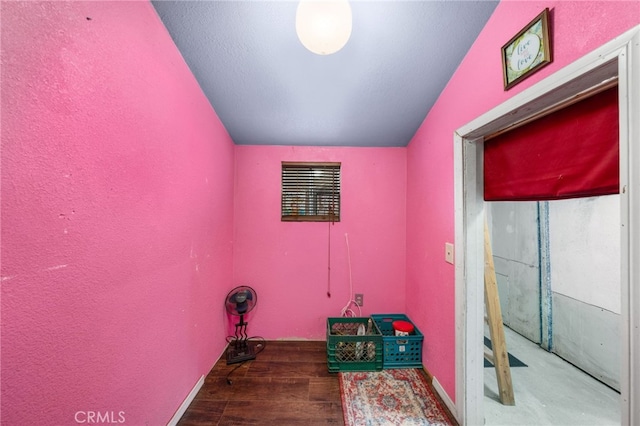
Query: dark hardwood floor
x=287, y=384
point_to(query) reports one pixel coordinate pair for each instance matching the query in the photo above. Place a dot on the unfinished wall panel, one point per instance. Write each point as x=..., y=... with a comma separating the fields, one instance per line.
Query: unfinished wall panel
x=515, y=250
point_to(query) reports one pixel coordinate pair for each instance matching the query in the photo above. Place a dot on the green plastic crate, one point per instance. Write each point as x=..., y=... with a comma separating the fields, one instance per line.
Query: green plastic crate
x=399, y=351
x=348, y=351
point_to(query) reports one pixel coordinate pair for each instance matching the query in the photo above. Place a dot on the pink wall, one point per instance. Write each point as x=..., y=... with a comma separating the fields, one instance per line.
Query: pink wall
x=287, y=262
x=116, y=216
x=578, y=28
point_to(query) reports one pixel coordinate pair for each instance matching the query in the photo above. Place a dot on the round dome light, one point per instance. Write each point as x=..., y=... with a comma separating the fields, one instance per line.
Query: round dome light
x=323, y=26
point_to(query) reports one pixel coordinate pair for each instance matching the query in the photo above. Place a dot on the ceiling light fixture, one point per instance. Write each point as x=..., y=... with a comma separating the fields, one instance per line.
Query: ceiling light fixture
x=323, y=26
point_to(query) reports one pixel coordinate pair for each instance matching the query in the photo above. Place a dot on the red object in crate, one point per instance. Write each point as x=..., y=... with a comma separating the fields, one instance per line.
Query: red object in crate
x=402, y=328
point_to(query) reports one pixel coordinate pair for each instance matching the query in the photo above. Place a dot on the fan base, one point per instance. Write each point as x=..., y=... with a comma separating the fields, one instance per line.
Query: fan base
x=235, y=355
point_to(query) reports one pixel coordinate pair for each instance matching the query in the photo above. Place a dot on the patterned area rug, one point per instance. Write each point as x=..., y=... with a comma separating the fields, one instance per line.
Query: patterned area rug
x=390, y=397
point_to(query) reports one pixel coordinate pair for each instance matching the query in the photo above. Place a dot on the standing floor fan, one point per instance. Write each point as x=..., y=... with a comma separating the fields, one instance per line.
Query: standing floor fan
x=240, y=301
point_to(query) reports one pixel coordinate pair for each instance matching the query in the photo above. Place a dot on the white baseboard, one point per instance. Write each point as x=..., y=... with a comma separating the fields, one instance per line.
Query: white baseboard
x=185, y=404
x=445, y=398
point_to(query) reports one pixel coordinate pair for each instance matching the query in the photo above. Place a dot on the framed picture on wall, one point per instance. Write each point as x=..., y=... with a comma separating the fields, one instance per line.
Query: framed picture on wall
x=527, y=51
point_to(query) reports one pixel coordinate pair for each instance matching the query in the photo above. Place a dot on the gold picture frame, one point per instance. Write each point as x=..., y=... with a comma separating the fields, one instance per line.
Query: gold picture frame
x=527, y=52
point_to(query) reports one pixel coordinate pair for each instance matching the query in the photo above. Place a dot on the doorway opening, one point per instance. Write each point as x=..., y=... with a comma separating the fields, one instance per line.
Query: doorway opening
x=619, y=59
x=557, y=270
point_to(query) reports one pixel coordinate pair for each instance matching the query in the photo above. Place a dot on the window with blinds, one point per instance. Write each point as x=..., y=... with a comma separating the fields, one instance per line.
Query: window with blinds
x=310, y=192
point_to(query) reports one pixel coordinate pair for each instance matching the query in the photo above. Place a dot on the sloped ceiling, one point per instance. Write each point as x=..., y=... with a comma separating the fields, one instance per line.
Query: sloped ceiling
x=269, y=90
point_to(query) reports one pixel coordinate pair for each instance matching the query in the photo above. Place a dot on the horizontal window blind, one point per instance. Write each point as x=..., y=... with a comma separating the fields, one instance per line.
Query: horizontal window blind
x=311, y=192
x=573, y=152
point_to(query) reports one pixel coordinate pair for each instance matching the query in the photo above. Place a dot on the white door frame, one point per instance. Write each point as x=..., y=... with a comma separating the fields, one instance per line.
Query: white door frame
x=619, y=58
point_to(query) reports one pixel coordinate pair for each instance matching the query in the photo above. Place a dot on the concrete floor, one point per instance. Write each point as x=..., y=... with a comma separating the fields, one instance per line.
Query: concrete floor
x=549, y=391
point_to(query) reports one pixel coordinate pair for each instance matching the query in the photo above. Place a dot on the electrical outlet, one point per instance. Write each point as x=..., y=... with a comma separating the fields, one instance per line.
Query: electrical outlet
x=448, y=252
x=359, y=300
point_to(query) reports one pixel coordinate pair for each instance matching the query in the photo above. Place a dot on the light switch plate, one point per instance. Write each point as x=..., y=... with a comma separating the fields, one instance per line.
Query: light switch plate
x=448, y=252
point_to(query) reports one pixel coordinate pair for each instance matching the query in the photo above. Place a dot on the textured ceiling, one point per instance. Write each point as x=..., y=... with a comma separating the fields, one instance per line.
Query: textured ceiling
x=268, y=89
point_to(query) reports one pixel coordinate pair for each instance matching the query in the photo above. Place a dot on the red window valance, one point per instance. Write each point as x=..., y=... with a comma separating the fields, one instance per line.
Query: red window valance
x=573, y=152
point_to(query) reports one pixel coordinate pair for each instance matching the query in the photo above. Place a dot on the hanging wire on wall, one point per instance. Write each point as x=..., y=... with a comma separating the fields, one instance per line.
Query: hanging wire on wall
x=347, y=311
x=331, y=222
x=329, y=263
